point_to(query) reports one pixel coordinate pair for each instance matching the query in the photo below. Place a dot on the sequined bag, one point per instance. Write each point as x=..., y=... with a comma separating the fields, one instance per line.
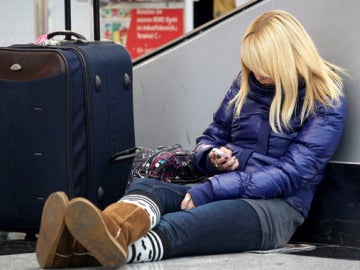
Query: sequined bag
x=172, y=164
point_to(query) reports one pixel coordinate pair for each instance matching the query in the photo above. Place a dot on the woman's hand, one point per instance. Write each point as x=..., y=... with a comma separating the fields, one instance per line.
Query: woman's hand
x=228, y=162
x=187, y=203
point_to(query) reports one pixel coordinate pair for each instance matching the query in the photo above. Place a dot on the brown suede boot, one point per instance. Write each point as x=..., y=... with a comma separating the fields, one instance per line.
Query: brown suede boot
x=81, y=257
x=107, y=234
x=54, y=244
x=56, y=247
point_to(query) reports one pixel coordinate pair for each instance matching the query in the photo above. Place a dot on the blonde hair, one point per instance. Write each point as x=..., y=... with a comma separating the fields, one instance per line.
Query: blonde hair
x=277, y=46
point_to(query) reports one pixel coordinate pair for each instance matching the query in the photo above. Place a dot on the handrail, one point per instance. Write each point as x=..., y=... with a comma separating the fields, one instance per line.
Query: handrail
x=197, y=31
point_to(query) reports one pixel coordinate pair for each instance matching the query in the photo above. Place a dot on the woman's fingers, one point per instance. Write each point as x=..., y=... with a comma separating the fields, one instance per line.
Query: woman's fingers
x=187, y=203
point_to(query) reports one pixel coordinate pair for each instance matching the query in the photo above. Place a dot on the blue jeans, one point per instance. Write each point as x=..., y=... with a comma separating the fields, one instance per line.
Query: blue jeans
x=219, y=227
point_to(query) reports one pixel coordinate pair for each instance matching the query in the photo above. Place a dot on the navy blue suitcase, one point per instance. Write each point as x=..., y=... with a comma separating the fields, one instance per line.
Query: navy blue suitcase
x=65, y=111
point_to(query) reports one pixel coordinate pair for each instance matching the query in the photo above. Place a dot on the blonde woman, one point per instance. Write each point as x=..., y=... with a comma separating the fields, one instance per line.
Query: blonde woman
x=274, y=132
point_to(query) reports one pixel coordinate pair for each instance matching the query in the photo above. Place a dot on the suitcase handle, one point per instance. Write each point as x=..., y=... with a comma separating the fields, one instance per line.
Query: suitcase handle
x=96, y=17
x=67, y=33
x=128, y=153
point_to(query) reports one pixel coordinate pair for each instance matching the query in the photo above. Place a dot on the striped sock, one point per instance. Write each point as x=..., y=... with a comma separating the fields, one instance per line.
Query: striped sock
x=149, y=248
x=147, y=204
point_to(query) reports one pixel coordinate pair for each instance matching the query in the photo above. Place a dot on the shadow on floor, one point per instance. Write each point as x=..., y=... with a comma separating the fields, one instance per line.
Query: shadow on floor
x=333, y=251
x=9, y=247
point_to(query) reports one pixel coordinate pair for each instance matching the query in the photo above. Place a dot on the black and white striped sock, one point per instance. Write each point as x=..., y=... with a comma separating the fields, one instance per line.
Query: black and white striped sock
x=149, y=248
x=147, y=204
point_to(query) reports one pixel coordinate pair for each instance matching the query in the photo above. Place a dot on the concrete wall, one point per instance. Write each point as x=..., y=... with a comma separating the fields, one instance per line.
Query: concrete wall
x=176, y=92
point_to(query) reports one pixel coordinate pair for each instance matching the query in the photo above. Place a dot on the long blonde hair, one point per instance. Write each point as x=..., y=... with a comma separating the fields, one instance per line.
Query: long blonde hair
x=277, y=46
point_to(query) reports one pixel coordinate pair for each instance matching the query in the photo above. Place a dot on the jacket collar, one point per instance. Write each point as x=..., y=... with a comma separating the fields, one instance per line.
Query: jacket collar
x=265, y=93
x=261, y=93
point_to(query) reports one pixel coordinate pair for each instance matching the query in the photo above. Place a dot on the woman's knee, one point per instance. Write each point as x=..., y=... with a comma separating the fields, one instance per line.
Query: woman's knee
x=140, y=184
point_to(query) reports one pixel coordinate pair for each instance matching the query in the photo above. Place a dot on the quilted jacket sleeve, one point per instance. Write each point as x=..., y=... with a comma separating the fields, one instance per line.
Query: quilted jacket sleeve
x=304, y=160
x=217, y=134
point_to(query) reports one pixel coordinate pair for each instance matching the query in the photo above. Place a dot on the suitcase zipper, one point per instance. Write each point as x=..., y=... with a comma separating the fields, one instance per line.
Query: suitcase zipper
x=87, y=116
x=87, y=108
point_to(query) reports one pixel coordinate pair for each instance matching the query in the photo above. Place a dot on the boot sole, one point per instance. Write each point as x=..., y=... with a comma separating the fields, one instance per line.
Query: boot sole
x=88, y=227
x=51, y=229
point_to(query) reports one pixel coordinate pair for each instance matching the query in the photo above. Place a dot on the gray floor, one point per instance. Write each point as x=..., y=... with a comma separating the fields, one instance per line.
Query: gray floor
x=248, y=261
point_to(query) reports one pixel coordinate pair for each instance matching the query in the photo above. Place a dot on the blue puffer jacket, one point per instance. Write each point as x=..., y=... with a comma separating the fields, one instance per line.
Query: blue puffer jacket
x=289, y=166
